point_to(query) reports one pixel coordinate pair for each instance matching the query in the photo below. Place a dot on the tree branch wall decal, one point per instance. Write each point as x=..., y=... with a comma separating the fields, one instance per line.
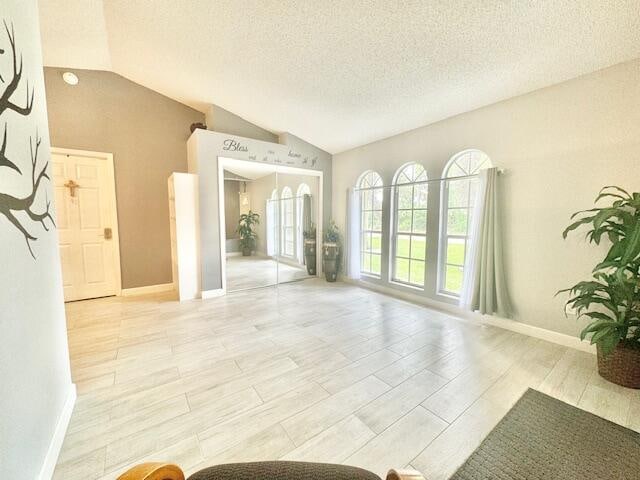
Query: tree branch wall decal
x=9, y=204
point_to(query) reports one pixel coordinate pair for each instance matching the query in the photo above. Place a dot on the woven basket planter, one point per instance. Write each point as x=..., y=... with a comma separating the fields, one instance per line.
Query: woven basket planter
x=622, y=366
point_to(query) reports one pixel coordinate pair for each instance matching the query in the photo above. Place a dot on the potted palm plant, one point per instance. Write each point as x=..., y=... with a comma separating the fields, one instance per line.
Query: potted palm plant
x=611, y=298
x=331, y=252
x=245, y=229
x=310, y=249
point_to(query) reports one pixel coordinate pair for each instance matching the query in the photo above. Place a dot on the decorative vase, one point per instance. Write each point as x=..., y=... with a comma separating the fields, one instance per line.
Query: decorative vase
x=310, y=256
x=622, y=366
x=330, y=253
x=246, y=251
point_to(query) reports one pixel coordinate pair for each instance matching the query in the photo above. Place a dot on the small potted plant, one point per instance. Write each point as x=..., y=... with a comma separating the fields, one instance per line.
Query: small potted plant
x=331, y=252
x=611, y=298
x=310, y=249
x=245, y=229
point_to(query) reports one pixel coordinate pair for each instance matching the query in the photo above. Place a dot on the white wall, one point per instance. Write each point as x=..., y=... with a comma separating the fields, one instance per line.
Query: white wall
x=34, y=364
x=559, y=145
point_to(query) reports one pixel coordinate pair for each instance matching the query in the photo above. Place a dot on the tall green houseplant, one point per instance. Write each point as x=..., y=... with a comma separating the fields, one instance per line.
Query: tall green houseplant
x=245, y=229
x=611, y=298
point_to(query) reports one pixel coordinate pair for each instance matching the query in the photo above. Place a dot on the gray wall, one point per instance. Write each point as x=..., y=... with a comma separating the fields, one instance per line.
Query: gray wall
x=146, y=132
x=559, y=146
x=220, y=120
x=34, y=359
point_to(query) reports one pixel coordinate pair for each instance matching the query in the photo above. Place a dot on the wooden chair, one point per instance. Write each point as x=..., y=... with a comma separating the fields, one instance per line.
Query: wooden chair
x=264, y=471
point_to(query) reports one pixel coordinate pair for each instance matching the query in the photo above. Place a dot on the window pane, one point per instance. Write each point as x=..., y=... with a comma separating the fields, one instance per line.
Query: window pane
x=367, y=199
x=366, y=265
x=402, y=245
x=418, y=248
x=453, y=279
x=376, y=222
x=404, y=177
x=463, y=163
x=457, y=221
x=420, y=221
x=420, y=195
x=367, y=242
x=375, y=264
x=455, y=251
x=405, y=197
x=458, y=193
x=473, y=188
x=455, y=170
x=417, y=272
x=377, y=199
x=420, y=175
x=376, y=242
x=402, y=269
x=366, y=220
x=404, y=221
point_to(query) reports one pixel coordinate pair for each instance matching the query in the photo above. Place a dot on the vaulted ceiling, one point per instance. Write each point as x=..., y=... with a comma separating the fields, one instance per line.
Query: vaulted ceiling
x=337, y=73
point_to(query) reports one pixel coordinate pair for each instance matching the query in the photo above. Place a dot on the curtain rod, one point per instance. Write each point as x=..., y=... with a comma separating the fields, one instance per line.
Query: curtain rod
x=433, y=180
x=288, y=198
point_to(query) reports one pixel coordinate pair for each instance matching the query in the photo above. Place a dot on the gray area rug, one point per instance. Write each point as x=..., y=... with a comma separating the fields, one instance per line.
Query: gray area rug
x=544, y=438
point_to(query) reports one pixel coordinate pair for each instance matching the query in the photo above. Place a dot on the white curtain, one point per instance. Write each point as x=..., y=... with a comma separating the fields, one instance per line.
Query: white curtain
x=271, y=227
x=305, y=220
x=484, y=287
x=353, y=234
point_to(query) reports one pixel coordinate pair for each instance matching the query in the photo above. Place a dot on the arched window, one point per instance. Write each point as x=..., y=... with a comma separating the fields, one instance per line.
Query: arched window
x=303, y=189
x=458, y=194
x=286, y=215
x=409, y=238
x=371, y=193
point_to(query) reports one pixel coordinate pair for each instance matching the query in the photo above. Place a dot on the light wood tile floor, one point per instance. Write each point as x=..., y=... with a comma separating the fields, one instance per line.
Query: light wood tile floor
x=309, y=371
x=258, y=271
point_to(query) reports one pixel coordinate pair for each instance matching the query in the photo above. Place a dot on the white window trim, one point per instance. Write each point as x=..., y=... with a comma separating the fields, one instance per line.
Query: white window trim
x=284, y=226
x=444, y=215
x=364, y=231
x=394, y=233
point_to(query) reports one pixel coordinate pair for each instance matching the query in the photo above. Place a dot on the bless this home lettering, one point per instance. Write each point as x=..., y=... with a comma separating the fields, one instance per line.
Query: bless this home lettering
x=234, y=146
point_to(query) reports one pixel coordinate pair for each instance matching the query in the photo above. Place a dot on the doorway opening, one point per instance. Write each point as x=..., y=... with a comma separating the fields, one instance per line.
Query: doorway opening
x=268, y=213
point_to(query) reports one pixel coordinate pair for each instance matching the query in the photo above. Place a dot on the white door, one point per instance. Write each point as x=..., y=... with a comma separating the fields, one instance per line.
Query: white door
x=86, y=221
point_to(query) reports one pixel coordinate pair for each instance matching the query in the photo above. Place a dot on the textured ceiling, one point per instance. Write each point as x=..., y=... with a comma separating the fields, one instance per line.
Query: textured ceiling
x=340, y=74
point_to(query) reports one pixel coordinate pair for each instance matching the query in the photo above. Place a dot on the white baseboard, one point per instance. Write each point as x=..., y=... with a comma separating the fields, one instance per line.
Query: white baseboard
x=234, y=254
x=505, y=323
x=164, y=287
x=49, y=465
x=218, y=292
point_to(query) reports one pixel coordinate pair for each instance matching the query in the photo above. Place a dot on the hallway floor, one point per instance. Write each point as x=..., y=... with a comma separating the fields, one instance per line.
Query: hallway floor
x=308, y=371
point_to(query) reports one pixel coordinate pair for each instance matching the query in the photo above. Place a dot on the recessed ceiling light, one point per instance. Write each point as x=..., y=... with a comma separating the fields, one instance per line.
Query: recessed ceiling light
x=70, y=78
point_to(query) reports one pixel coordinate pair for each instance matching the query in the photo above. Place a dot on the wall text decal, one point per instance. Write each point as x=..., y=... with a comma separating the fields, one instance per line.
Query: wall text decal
x=234, y=146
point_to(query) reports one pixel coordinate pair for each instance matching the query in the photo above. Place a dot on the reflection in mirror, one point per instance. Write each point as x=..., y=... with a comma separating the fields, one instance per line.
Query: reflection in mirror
x=251, y=260
x=297, y=252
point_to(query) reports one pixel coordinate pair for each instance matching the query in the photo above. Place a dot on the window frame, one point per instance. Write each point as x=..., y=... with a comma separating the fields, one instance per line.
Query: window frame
x=395, y=234
x=365, y=184
x=286, y=209
x=444, y=236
